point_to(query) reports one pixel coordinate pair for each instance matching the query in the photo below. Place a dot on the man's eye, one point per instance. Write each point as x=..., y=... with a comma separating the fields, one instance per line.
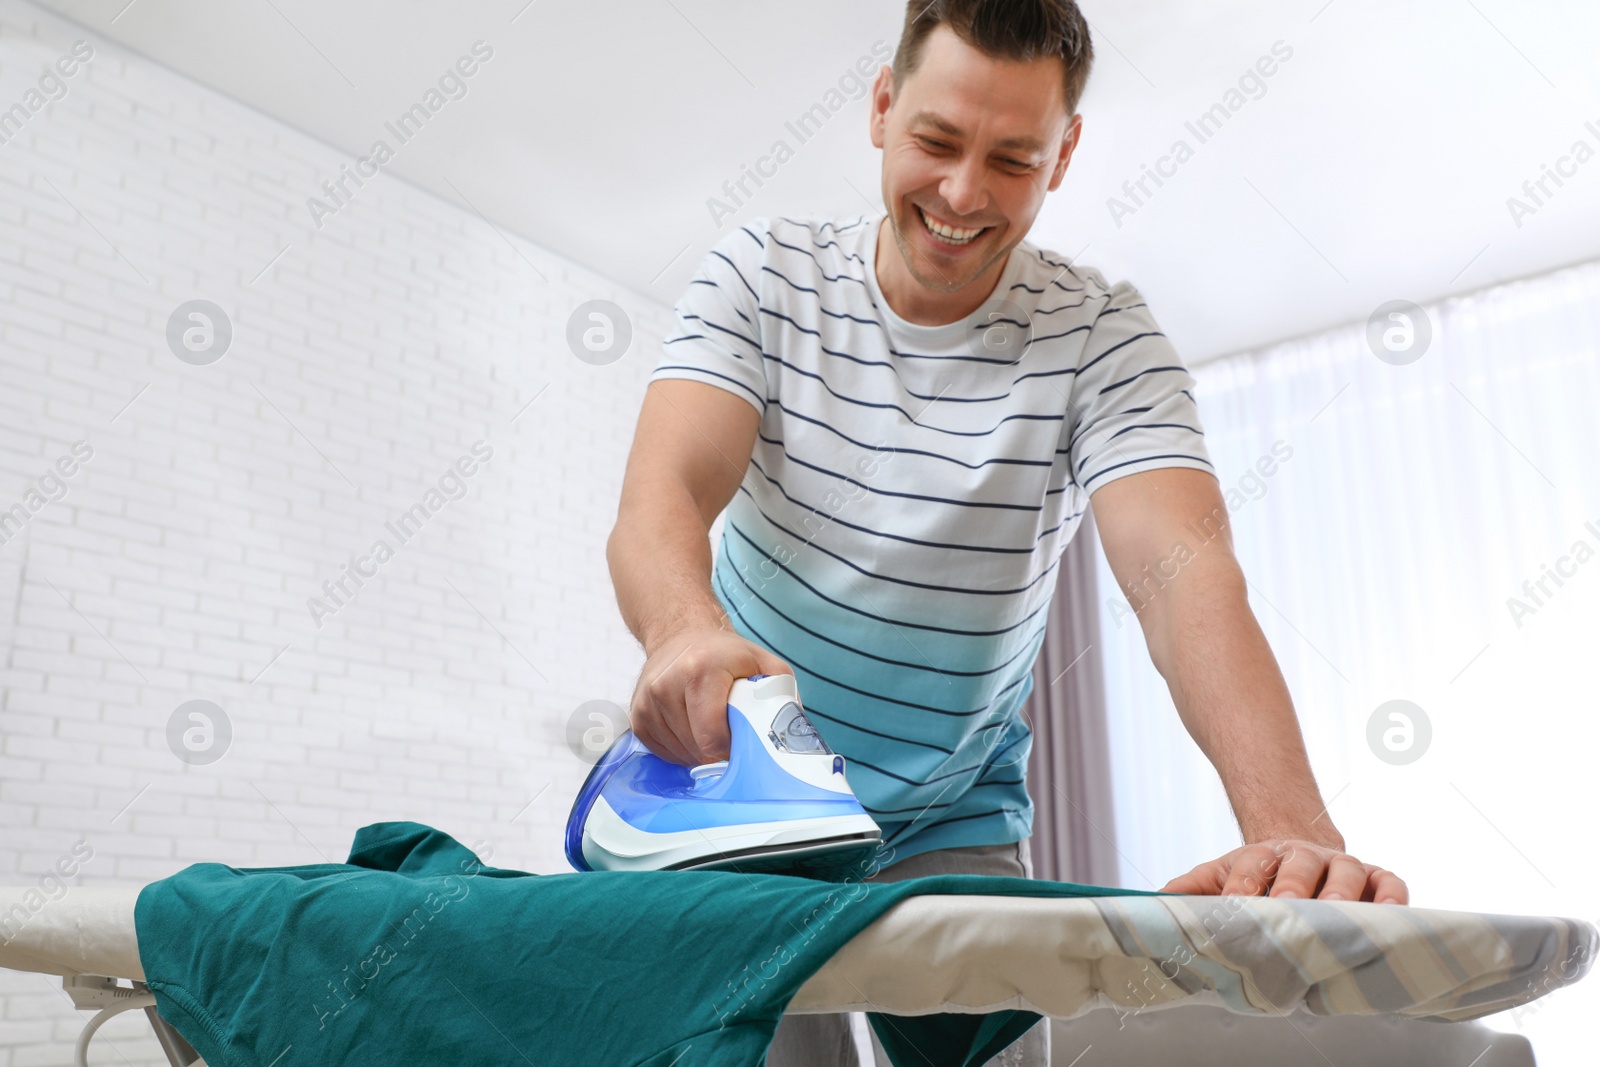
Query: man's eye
x=940, y=146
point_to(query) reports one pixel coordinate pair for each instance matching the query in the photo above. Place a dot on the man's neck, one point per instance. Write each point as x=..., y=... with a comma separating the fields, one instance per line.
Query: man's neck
x=915, y=302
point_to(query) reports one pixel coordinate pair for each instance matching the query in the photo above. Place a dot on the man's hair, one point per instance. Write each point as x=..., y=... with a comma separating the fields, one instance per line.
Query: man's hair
x=1019, y=30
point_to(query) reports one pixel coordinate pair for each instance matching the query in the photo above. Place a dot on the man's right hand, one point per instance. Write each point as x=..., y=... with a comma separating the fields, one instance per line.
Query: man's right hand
x=680, y=704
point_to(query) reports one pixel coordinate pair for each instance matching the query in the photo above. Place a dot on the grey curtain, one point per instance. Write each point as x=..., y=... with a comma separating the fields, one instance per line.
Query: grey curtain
x=1069, y=772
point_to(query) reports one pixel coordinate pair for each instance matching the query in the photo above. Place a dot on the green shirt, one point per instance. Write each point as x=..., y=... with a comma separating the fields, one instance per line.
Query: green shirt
x=416, y=953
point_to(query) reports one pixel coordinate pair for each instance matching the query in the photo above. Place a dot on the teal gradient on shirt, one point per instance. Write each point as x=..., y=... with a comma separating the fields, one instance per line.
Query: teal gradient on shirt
x=975, y=793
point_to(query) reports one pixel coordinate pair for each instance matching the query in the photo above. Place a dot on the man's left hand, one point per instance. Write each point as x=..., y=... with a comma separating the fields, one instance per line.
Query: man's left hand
x=1292, y=868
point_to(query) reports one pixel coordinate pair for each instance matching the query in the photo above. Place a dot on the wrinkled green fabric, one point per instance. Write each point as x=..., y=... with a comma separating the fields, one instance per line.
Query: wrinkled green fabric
x=414, y=953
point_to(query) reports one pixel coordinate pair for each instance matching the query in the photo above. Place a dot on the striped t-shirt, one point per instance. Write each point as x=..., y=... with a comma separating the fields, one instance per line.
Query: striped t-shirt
x=896, y=537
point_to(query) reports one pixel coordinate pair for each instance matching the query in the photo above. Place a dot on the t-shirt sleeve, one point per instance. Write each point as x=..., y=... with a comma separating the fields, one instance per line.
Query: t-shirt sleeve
x=717, y=333
x=1133, y=400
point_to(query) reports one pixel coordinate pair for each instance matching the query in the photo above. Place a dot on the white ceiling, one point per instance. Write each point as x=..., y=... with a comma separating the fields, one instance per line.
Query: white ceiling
x=1376, y=166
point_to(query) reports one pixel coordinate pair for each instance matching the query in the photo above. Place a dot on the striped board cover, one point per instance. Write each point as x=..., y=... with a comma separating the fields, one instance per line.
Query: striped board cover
x=1251, y=955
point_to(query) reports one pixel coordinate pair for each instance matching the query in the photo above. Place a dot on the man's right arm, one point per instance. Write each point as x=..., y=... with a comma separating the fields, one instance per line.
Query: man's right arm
x=690, y=451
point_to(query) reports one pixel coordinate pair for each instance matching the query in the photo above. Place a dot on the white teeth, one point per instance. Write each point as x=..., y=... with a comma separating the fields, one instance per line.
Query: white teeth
x=949, y=233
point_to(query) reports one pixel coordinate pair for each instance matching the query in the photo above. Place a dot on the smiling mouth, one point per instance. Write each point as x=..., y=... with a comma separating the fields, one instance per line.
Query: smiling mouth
x=954, y=236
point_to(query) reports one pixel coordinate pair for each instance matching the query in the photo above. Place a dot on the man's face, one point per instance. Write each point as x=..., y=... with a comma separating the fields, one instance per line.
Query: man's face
x=969, y=143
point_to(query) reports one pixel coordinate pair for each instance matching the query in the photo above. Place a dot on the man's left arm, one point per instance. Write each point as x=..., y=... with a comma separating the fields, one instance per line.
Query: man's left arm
x=1167, y=539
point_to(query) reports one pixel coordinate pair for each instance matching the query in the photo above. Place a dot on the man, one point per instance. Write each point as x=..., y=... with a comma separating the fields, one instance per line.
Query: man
x=905, y=417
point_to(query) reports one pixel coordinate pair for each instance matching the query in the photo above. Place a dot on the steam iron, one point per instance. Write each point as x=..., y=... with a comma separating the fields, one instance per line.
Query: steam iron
x=778, y=804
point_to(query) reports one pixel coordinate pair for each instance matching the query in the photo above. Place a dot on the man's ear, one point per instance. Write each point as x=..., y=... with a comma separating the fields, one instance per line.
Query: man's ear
x=1069, y=144
x=882, y=97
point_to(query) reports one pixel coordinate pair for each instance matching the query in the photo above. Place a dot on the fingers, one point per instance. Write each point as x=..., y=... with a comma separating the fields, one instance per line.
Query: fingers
x=1204, y=880
x=1244, y=871
x=650, y=726
x=659, y=725
x=706, y=702
x=1300, y=871
x=1346, y=880
x=1385, y=887
x=1293, y=869
x=767, y=663
x=1252, y=870
x=710, y=674
x=680, y=705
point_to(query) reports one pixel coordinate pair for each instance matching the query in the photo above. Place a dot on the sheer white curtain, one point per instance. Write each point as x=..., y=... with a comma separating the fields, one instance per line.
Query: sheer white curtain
x=1415, y=501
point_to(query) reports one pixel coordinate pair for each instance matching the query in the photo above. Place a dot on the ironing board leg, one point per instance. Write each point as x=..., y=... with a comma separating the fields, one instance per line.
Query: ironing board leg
x=179, y=1052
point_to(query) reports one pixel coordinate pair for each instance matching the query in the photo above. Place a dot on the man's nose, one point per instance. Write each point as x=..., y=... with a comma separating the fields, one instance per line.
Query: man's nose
x=962, y=187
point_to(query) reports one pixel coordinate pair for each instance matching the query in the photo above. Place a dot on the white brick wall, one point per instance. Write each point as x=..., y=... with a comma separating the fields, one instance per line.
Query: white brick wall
x=180, y=560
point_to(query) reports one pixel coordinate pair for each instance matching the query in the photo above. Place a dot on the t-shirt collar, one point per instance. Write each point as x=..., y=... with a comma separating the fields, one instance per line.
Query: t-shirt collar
x=951, y=331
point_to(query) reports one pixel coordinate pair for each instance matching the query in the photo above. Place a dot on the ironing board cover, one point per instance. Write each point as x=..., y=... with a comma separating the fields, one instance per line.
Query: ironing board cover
x=414, y=951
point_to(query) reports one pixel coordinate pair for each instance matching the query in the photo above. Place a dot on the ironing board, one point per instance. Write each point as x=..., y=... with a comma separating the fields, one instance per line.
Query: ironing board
x=1124, y=959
